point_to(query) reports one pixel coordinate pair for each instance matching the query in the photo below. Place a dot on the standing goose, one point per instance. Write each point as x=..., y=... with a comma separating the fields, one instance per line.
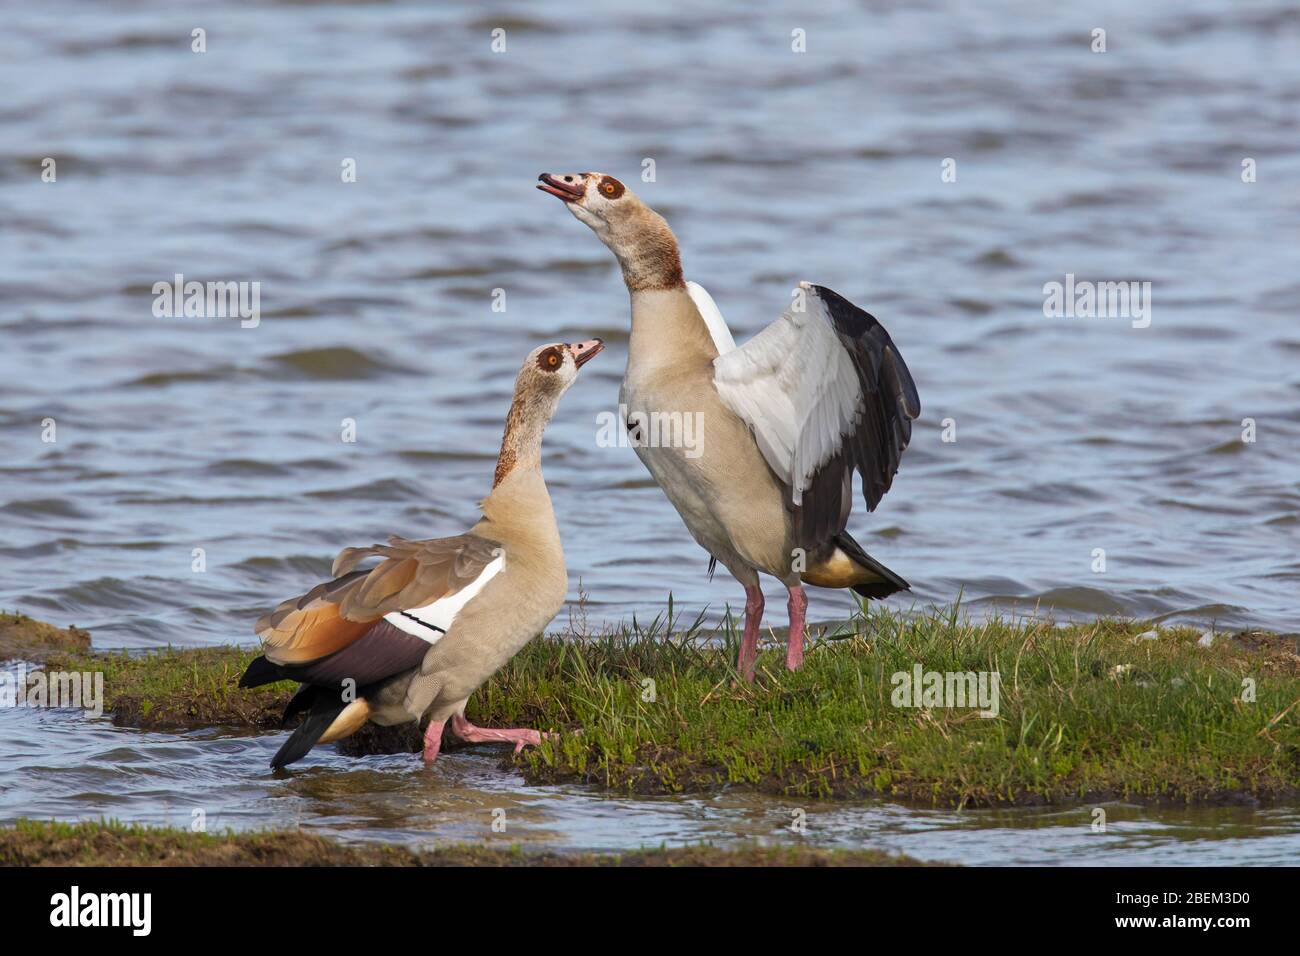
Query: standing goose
x=424, y=628
x=786, y=418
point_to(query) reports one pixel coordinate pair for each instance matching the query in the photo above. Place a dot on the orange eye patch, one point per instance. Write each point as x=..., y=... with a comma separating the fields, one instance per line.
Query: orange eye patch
x=611, y=188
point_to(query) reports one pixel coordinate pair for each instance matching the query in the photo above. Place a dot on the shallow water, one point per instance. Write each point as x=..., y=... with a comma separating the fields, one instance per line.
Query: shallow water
x=84, y=768
x=1072, y=434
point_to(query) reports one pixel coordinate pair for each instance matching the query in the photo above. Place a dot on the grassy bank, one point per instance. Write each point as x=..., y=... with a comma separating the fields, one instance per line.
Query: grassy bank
x=1086, y=711
x=173, y=689
x=31, y=843
x=32, y=640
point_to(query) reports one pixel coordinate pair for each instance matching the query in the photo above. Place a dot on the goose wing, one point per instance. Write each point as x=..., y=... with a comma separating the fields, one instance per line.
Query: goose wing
x=825, y=392
x=712, y=317
x=371, y=623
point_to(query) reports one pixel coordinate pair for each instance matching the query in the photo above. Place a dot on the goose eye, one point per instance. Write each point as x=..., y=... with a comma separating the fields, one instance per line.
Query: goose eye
x=611, y=187
x=549, y=360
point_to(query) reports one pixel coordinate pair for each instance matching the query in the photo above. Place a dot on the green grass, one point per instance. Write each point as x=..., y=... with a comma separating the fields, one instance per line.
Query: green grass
x=1167, y=724
x=172, y=688
x=1087, y=711
x=108, y=843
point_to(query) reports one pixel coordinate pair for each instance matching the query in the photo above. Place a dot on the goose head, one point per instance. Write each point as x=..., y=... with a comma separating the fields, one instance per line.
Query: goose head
x=637, y=235
x=543, y=379
x=549, y=370
x=597, y=200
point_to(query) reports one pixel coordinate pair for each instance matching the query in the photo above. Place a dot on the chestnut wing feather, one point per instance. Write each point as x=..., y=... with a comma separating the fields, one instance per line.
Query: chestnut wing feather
x=410, y=574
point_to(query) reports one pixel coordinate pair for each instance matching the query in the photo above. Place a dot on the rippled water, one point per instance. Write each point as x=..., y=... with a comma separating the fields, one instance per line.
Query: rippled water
x=376, y=296
x=85, y=769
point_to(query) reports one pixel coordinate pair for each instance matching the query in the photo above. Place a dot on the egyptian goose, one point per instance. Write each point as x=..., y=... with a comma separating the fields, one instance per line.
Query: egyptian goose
x=786, y=418
x=425, y=627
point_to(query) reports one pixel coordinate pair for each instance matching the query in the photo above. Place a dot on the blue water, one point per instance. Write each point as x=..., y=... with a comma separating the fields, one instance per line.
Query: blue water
x=1073, y=435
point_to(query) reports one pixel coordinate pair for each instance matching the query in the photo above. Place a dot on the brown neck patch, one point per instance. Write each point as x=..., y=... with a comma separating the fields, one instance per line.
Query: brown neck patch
x=652, y=260
x=509, y=456
x=664, y=271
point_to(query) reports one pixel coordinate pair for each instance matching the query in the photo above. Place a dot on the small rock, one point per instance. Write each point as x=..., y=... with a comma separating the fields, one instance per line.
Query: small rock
x=1119, y=670
x=1206, y=639
x=1148, y=636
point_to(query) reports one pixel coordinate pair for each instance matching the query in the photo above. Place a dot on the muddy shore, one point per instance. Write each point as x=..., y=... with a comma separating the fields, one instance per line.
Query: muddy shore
x=32, y=843
x=25, y=638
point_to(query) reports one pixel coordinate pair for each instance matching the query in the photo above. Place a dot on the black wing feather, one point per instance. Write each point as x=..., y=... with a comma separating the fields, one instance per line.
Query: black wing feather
x=382, y=652
x=884, y=427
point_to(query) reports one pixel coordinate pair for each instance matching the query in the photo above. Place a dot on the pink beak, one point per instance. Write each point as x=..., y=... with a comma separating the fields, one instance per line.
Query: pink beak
x=568, y=186
x=584, y=352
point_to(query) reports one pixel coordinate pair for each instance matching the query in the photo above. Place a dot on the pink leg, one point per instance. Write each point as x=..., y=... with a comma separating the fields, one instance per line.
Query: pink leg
x=749, y=638
x=432, y=741
x=798, y=604
x=519, y=736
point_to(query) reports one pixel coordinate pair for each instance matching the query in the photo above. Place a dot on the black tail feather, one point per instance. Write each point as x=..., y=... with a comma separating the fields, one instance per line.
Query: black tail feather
x=261, y=671
x=301, y=700
x=891, y=583
x=322, y=714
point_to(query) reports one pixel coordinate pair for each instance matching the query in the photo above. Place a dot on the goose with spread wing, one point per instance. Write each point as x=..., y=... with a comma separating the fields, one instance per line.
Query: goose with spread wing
x=785, y=419
x=426, y=626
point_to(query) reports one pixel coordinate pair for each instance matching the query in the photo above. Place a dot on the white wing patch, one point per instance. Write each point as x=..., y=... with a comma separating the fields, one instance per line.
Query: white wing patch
x=712, y=316
x=431, y=622
x=796, y=386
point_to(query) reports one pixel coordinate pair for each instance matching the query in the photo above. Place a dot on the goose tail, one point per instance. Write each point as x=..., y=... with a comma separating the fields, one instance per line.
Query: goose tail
x=261, y=671
x=325, y=710
x=847, y=565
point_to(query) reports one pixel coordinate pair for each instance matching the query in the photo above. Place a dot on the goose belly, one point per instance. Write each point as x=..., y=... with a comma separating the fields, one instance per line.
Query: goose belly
x=682, y=485
x=720, y=485
x=512, y=609
x=516, y=607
